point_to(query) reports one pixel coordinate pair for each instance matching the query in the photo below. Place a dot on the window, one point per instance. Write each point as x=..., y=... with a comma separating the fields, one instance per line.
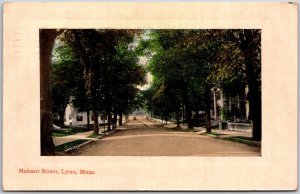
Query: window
x=79, y=118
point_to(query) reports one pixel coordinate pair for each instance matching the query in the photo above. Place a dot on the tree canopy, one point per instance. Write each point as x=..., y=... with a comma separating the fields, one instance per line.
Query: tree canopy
x=99, y=71
x=187, y=64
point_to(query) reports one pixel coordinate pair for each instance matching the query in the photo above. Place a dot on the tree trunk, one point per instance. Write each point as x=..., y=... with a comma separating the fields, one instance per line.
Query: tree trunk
x=62, y=119
x=88, y=119
x=88, y=76
x=115, y=120
x=254, y=97
x=166, y=118
x=96, y=123
x=108, y=120
x=183, y=114
x=47, y=38
x=120, y=119
x=188, y=111
x=177, y=119
x=104, y=116
x=250, y=47
x=61, y=113
x=207, y=110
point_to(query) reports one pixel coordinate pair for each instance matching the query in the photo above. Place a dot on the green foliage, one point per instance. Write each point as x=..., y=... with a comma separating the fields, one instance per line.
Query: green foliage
x=93, y=135
x=125, y=78
x=65, y=77
x=185, y=64
x=179, y=70
x=224, y=114
x=242, y=139
x=98, y=70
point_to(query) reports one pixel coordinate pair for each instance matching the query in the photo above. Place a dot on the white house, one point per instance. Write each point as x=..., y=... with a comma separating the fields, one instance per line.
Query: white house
x=73, y=117
x=229, y=103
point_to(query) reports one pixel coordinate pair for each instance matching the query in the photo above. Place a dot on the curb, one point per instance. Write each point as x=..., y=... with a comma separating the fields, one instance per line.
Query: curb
x=89, y=141
x=78, y=146
x=107, y=134
x=247, y=142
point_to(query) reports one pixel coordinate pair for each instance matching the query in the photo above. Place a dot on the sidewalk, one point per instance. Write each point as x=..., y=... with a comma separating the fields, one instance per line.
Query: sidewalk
x=172, y=125
x=65, y=139
x=229, y=135
x=61, y=140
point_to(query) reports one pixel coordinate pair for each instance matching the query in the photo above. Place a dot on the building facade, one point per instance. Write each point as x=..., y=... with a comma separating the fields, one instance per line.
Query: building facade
x=76, y=118
x=229, y=107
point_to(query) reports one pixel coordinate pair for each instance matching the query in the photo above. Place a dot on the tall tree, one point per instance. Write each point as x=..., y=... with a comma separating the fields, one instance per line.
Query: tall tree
x=86, y=46
x=98, y=53
x=203, y=59
x=125, y=74
x=168, y=65
x=181, y=61
x=47, y=38
x=250, y=45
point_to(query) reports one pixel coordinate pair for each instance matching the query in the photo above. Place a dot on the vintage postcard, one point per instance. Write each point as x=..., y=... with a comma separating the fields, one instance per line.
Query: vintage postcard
x=150, y=96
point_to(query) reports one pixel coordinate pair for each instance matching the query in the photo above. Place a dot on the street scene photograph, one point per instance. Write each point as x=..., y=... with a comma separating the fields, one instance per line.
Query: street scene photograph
x=150, y=92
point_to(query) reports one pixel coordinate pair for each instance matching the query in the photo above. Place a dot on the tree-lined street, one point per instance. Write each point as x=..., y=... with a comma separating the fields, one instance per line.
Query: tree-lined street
x=195, y=77
x=143, y=137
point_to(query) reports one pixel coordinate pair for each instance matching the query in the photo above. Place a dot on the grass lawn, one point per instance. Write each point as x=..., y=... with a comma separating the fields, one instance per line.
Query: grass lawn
x=93, y=135
x=240, y=139
x=214, y=134
x=68, y=145
x=69, y=131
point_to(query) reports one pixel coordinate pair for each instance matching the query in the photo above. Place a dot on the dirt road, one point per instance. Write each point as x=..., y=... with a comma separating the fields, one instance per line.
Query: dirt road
x=145, y=138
